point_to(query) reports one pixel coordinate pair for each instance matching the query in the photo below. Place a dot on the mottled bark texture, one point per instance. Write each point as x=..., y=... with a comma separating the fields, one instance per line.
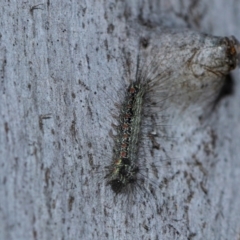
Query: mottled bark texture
x=64, y=69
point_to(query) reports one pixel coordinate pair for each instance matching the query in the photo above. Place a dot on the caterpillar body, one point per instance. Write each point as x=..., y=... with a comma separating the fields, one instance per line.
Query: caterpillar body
x=124, y=169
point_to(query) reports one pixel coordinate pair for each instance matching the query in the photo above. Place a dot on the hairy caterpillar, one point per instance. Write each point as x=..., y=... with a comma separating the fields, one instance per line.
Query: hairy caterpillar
x=124, y=169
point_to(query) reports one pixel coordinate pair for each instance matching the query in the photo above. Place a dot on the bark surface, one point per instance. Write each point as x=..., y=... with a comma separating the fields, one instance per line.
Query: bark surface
x=63, y=66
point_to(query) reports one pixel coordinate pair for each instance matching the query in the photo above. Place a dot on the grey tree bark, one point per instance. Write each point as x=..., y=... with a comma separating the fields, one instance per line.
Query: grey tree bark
x=63, y=66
